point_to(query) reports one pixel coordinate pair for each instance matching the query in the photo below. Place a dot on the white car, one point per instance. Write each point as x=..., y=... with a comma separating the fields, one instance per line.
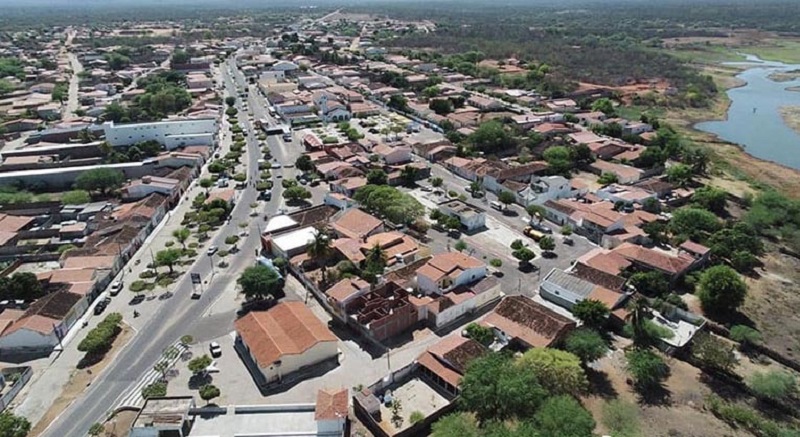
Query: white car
x=212, y=250
x=116, y=287
x=215, y=349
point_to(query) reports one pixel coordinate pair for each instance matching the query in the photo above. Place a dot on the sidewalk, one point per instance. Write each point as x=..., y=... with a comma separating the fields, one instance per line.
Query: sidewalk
x=52, y=373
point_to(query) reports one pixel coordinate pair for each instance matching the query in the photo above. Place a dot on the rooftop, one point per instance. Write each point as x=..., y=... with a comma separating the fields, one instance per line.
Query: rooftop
x=354, y=223
x=166, y=411
x=534, y=324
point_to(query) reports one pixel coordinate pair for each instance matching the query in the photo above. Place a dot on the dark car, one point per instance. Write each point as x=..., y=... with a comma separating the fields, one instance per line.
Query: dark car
x=101, y=306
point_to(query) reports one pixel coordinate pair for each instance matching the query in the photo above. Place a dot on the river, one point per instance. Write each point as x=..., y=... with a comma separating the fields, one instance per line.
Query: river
x=754, y=120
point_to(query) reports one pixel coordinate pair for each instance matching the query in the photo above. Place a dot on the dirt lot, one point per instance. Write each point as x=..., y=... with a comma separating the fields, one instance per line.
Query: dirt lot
x=678, y=414
x=120, y=424
x=79, y=381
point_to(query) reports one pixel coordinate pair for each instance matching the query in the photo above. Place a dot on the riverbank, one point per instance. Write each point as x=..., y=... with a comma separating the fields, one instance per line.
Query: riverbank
x=784, y=76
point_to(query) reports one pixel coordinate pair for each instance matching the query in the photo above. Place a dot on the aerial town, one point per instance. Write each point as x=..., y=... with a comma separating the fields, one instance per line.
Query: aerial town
x=313, y=233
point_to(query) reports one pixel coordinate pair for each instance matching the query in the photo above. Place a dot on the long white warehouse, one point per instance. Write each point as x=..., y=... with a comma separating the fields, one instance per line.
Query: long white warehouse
x=171, y=133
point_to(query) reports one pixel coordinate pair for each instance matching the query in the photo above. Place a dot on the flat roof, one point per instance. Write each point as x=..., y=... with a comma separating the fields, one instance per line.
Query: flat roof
x=565, y=281
x=295, y=239
x=295, y=420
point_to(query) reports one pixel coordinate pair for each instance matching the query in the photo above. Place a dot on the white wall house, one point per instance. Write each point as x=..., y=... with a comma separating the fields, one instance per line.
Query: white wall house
x=542, y=189
x=171, y=133
x=471, y=217
x=448, y=270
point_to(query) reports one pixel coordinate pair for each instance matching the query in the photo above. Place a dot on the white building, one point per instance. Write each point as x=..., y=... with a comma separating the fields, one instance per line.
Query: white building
x=393, y=155
x=284, y=339
x=171, y=133
x=471, y=217
x=542, y=189
x=448, y=270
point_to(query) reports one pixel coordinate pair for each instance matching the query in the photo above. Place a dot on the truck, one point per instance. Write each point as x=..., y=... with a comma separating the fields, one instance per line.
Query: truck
x=533, y=233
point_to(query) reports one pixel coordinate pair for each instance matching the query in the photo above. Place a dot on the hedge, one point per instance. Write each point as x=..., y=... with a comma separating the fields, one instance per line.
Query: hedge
x=99, y=339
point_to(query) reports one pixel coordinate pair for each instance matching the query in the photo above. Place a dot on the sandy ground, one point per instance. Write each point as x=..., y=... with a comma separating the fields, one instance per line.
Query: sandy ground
x=78, y=382
x=784, y=76
x=680, y=412
x=791, y=116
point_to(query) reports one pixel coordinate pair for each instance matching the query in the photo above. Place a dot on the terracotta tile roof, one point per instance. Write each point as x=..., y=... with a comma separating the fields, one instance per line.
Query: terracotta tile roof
x=528, y=321
x=350, y=248
x=226, y=195
x=332, y=404
x=346, y=288
x=13, y=223
x=68, y=275
x=448, y=263
x=598, y=277
x=457, y=351
x=354, y=223
x=653, y=258
x=604, y=260
x=41, y=324
x=691, y=246
x=608, y=297
x=89, y=262
x=289, y=328
x=81, y=288
x=447, y=374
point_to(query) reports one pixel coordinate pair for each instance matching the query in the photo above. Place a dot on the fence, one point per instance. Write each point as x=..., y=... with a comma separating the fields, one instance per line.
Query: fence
x=16, y=387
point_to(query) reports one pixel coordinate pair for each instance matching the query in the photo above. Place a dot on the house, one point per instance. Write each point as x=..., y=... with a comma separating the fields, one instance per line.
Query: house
x=171, y=133
x=700, y=253
x=393, y=155
x=625, y=194
x=164, y=416
x=141, y=188
x=458, y=302
x=605, y=261
x=544, y=188
x=331, y=410
x=43, y=324
x=471, y=217
x=434, y=151
x=562, y=105
x=348, y=185
x=522, y=323
x=625, y=174
x=356, y=224
x=673, y=267
x=383, y=312
x=449, y=270
x=289, y=244
x=566, y=290
x=344, y=291
x=498, y=173
x=484, y=103
x=397, y=246
x=445, y=363
x=285, y=339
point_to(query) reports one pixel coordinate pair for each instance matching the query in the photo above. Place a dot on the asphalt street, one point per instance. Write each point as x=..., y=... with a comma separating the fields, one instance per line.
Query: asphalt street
x=172, y=321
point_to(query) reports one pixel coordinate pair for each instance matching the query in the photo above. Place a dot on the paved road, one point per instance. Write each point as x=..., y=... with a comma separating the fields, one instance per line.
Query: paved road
x=174, y=320
x=72, y=101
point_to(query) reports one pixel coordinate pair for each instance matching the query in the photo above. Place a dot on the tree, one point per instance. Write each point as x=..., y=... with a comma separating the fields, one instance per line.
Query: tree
x=115, y=112
x=607, y=178
x=651, y=205
x=100, y=179
x=162, y=367
x=745, y=335
x=740, y=237
x=494, y=388
x=409, y=175
x=76, y=197
x=506, y=197
x=181, y=235
x=436, y=182
x=713, y=352
x=304, y=163
x=721, y=290
x=209, y=392
x=230, y=100
x=377, y=177
x=460, y=246
x=475, y=188
x=566, y=230
x=593, y=313
x=693, y=223
x=431, y=92
x=536, y=211
x=650, y=283
x=13, y=426
x=260, y=282
x=296, y=193
x=559, y=159
x=398, y=102
x=656, y=231
x=441, y=106
x=480, y=333
x=389, y=203
x=199, y=364
x=586, y=344
x=99, y=339
x=638, y=316
x=646, y=368
x=603, y=105
x=180, y=57
x=5, y=87
x=96, y=429
x=491, y=137
x=547, y=243
x=20, y=286
x=157, y=389
x=559, y=372
x=168, y=257
x=773, y=384
x=456, y=425
x=743, y=261
x=581, y=155
x=375, y=259
x=710, y=198
x=523, y=254
x=680, y=174
x=320, y=250
x=206, y=183
x=563, y=416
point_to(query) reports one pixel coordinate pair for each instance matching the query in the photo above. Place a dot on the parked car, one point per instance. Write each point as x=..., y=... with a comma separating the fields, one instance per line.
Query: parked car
x=212, y=250
x=215, y=349
x=116, y=287
x=101, y=306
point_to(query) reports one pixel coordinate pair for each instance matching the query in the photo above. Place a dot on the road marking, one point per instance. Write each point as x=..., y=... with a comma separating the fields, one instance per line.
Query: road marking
x=133, y=396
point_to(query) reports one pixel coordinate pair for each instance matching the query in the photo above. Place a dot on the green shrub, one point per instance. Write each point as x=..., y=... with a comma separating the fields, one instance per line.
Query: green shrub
x=169, y=243
x=416, y=416
x=99, y=339
x=155, y=390
x=773, y=384
x=137, y=286
x=621, y=418
x=646, y=368
x=496, y=262
x=147, y=274
x=233, y=239
x=653, y=330
x=745, y=335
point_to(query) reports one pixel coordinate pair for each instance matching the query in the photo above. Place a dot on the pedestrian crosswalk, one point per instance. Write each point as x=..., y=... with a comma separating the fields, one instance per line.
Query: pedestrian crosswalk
x=133, y=396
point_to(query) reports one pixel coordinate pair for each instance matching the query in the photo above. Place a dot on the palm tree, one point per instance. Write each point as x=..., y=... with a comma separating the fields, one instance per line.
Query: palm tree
x=409, y=175
x=376, y=258
x=638, y=314
x=319, y=250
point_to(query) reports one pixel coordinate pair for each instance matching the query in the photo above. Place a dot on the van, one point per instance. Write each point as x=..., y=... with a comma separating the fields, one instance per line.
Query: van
x=497, y=205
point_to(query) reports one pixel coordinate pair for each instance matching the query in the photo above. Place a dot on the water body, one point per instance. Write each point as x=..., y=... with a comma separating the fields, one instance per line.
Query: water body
x=754, y=120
